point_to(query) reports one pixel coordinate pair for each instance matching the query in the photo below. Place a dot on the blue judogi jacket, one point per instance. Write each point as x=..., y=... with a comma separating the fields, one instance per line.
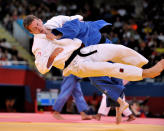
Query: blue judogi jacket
x=88, y=32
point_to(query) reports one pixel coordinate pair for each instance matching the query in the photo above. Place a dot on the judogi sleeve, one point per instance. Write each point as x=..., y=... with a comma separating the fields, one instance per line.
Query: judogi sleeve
x=58, y=21
x=42, y=51
x=70, y=29
x=41, y=59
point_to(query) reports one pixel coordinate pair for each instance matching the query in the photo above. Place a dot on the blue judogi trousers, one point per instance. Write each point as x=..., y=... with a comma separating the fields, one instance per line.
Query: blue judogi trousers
x=71, y=86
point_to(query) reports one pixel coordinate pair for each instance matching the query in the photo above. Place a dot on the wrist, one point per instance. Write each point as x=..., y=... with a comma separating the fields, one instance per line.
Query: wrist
x=46, y=31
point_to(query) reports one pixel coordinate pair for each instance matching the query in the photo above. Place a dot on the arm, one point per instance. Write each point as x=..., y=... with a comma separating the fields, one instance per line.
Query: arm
x=58, y=21
x=42, y=49
x=70, y=29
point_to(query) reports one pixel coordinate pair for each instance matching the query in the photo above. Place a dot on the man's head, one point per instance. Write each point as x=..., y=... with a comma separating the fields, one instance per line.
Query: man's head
x=33, y=24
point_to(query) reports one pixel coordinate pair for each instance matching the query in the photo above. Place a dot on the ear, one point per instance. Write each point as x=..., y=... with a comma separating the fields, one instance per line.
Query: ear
x=31, y=32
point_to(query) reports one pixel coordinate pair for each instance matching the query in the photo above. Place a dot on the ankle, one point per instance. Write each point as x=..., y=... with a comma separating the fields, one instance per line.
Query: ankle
x=83, y=113
x=55, y=112
x=144, y=73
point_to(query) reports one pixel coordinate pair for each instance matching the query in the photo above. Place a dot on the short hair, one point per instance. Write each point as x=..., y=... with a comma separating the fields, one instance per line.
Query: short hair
x=28, y=20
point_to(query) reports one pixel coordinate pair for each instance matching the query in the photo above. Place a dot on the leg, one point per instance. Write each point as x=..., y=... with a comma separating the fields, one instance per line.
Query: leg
x=103, y=109
x=95, y=63
x=80, y=101
x=119, y=110
x=86, y=67
x=118, y=116
x=112, y=87
x=123, y=105
x=65, y=92
x=127, y=112
x=117, y=54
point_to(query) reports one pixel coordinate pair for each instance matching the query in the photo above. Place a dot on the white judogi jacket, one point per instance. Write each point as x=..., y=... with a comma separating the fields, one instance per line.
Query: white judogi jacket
x=43, y=48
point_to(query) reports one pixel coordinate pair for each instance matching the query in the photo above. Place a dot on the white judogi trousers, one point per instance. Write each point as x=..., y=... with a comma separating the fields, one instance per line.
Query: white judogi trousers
x=96, y=64
x=104, y=110
x=126, y=66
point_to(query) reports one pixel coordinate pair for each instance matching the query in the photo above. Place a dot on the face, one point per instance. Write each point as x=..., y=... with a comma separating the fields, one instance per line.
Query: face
x=36, y=27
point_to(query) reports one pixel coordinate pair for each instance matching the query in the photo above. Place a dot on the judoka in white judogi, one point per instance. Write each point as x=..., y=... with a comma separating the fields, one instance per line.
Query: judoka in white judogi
x=127, y=61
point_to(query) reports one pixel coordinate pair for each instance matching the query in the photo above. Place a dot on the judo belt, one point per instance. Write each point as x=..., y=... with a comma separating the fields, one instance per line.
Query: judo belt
x=77, y=52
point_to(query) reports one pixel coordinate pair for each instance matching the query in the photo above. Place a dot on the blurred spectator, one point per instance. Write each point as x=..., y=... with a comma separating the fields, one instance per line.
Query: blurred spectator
x=94, y=103
x=5, y=44
x=70, y=106
x=10, y=105
x=9, y=55
x=161, y=36
x=135, y=108
x=118, y=23
x=140, y=108
x=115, y=38
x=1, y=54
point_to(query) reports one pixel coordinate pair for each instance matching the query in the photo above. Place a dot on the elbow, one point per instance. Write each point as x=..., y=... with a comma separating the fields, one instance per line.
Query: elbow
x=43, y=71
x=42, y=68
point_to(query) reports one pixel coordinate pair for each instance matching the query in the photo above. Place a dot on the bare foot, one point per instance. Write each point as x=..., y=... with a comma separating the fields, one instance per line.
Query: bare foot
x=118, y=116
x=84, y=116
x=154, y=71
x=57, y=115
x=131, y=118
x=97, y=117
